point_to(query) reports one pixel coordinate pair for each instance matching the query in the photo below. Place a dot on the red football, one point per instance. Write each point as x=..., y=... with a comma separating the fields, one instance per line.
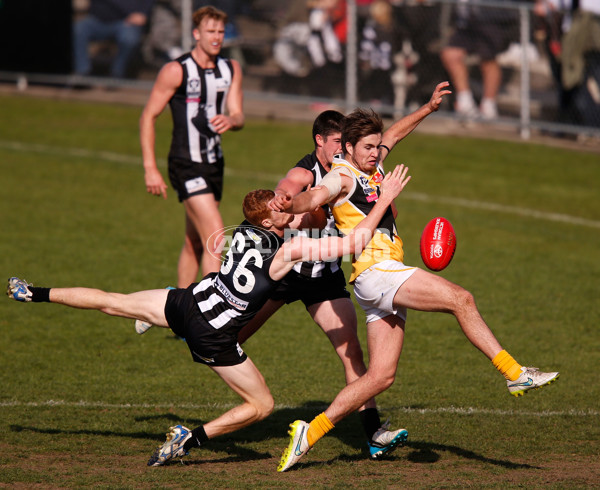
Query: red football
x=438, y=243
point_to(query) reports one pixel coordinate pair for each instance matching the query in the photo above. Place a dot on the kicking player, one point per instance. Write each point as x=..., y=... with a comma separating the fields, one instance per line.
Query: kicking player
x=384, y=286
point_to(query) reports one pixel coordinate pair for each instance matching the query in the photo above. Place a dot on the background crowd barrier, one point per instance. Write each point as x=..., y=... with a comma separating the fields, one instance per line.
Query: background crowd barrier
x=382, y=54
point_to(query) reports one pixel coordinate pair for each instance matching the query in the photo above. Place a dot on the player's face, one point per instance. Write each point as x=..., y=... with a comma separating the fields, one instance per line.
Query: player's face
x=365, y=154
x=209, y=36
x=332, y=145
x=281, y=220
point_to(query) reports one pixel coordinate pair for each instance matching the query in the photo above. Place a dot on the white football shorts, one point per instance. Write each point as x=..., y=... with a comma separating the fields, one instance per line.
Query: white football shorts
x=376, y=287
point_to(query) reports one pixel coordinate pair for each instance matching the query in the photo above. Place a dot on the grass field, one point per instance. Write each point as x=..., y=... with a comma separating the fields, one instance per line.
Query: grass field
x=85, y=400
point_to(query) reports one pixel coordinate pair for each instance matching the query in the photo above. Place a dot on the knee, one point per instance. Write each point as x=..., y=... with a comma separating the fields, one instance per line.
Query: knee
x=387, y=381
x=263, y=407
x=215, y=242
x=452, y=56
x=463, y=300
x=349, y=349
x=193, y=244
x=383, y=380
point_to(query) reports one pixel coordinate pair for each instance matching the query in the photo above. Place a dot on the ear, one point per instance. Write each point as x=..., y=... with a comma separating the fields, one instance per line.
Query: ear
x=349, y=148
x=196, y=34
x=266, y=223
x=320, y=140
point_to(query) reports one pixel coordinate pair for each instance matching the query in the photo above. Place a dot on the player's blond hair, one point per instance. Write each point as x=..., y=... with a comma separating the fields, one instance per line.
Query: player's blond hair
x=208, y=12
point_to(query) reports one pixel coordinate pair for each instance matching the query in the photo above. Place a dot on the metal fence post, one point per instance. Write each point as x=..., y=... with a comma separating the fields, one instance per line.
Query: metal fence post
x=351, y=57
x=186, y=23
x=525, y=78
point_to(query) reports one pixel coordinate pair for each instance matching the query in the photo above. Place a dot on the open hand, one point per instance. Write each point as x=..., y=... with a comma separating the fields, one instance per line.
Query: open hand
x=394, y=182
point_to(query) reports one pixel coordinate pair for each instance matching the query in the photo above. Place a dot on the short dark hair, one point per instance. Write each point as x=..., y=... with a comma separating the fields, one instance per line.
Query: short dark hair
x=326, y=123
x=358, y=124
x=256, y=206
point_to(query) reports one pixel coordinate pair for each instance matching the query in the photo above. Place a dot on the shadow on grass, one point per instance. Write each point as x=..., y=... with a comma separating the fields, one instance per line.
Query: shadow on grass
x=425, y=452
x=235, y=452
x=349, y=431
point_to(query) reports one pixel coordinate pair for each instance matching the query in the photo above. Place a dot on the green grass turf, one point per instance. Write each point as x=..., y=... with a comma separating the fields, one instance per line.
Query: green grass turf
x=85, y=400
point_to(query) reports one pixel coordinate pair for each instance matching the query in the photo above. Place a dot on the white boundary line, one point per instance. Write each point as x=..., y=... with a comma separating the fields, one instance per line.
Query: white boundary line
x=415, y=196
x=226, y=406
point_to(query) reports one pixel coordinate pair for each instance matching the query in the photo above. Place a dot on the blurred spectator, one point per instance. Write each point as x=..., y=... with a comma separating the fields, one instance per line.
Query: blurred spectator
x=572, y=39
x=375, y=54
x=312, y=46
x=122, y=21
x=327, y=22
x=164, y=39
x=486, y=32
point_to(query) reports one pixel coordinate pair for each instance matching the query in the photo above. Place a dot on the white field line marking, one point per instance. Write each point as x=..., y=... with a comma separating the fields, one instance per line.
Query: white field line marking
x=226, y=406
x=415, y=196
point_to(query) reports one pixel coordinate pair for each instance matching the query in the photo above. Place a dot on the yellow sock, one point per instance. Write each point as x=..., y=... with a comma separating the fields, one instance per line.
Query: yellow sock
x=504, y=363
x=320, y=426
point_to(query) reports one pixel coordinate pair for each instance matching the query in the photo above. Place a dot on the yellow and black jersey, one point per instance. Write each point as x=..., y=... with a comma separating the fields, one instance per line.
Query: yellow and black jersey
x=348, y=212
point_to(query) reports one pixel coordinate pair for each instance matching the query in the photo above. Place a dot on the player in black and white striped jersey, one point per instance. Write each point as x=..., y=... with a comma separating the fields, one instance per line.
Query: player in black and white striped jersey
x=210, y=314
x=204, y=92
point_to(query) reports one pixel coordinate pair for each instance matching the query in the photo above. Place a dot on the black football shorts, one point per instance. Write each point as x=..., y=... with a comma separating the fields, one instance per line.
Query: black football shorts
x=192, y=178
x=207, y=345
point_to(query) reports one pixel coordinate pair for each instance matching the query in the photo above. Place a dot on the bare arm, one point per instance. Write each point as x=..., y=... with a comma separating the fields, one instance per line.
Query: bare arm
x=402, y=128
x=234, y=119
x=295, y=181
x=317, y=196
x=169, y=78
x=300, y=249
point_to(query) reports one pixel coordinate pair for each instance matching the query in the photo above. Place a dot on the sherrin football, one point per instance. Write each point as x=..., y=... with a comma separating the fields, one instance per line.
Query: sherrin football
x=438, y=244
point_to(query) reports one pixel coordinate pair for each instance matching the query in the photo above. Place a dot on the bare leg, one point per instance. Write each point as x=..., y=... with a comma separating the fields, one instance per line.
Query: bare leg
x=247, y=381
x=266, y=312
x=337, y=318
x=204, y=233
x=454, y=62
x=492, y=78
x=190, y=257
x=144, y=305
x=385, y=339
x=427, y=292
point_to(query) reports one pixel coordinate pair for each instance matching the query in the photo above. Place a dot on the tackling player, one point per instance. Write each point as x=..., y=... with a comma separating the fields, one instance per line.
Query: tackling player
x=210, y=314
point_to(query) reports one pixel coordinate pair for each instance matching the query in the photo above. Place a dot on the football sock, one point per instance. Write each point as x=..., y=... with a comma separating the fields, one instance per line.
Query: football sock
x=369, y=418
x=505, y=363
x=198, y=438
x=39, y=295
x=320, y=426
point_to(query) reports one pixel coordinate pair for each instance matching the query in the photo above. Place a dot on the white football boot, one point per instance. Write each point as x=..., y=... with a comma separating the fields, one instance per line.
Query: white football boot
x=531, y=378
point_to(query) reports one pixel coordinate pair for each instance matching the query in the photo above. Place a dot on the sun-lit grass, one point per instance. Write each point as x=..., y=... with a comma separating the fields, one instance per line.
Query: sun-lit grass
x=85, y=400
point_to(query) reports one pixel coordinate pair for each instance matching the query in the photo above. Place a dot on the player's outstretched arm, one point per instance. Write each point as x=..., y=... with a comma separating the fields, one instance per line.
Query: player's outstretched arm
x=301, y=249
x=402, y=128
x=304, y=202
x=295, y=181
x=333, y=185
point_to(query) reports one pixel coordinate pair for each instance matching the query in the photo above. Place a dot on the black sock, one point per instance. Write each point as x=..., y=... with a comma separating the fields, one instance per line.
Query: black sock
x=39, y=295
x=370, y=421
x=198, y=438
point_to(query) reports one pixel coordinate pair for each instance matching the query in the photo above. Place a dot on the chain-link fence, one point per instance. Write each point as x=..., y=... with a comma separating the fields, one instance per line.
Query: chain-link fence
x=525, y=64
